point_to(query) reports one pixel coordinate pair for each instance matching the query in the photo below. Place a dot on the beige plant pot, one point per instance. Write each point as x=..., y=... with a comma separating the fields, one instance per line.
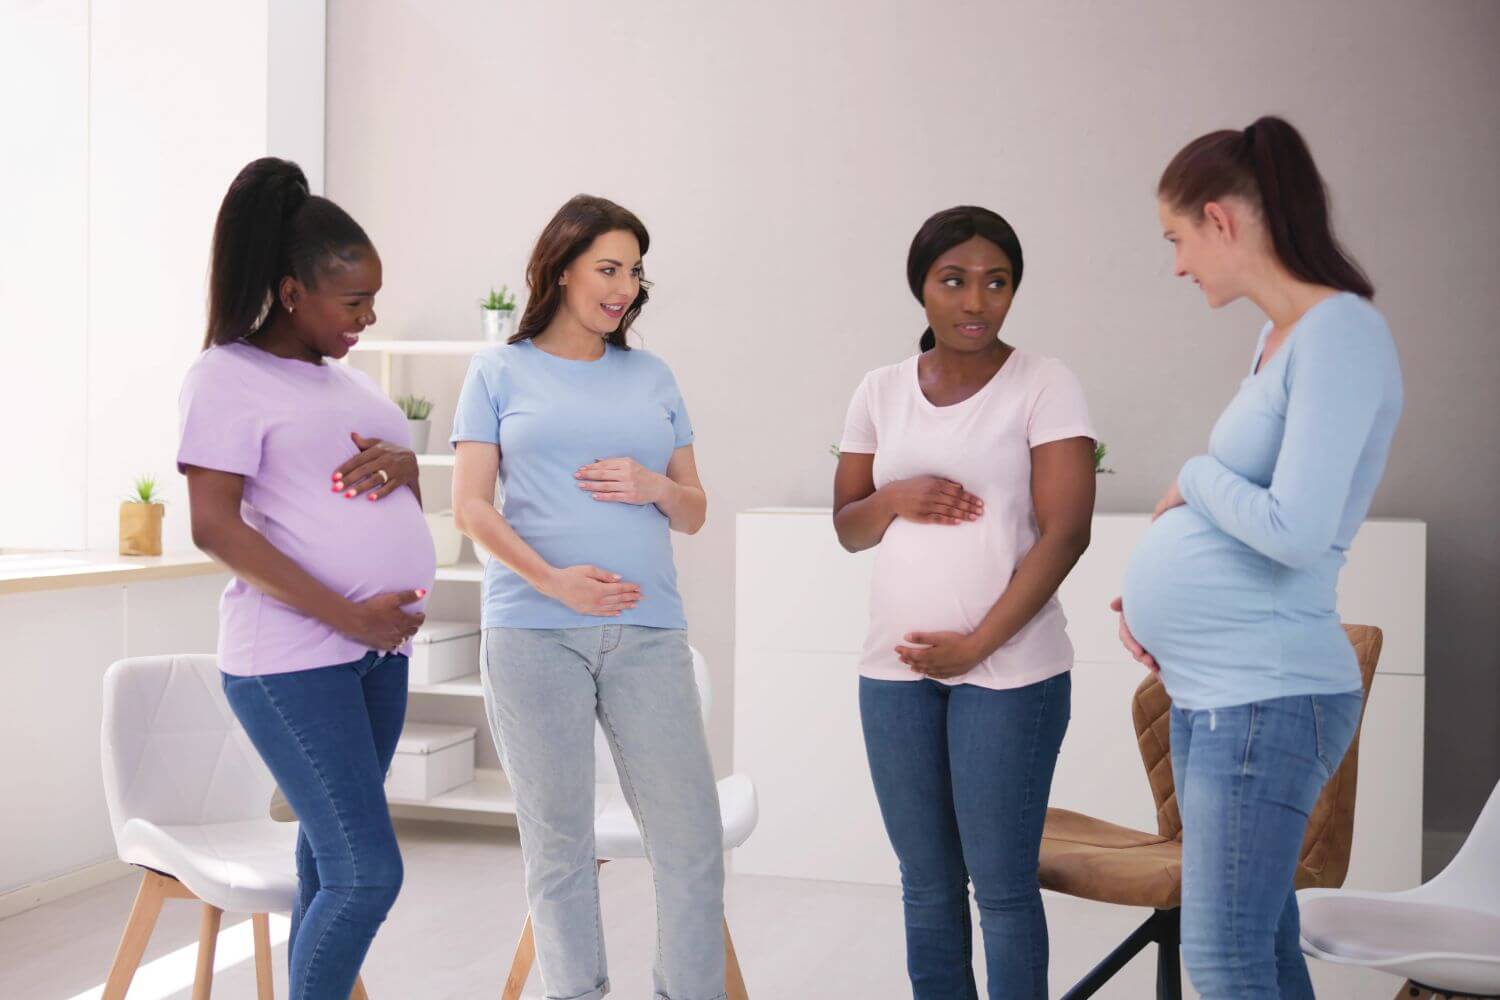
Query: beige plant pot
x=140, y=528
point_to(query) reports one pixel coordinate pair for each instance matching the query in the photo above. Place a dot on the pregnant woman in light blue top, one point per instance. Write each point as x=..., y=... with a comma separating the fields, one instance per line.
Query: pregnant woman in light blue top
x=582, y=618
x=1232, y=592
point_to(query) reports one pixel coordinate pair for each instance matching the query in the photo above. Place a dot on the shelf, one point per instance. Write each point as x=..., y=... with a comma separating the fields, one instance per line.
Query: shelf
x=421, y=346
x=436, y=461
x=462, y=573
x=489, y=792
x=468, y=686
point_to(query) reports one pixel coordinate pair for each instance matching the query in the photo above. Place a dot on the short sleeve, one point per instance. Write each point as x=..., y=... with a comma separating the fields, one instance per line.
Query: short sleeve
x=218, y=428
x=859, y=422
x=677, y=412
x=1058, y=408
x=480, y=403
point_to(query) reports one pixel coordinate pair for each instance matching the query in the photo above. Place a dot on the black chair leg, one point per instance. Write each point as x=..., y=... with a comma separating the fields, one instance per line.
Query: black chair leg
x=1162, y=928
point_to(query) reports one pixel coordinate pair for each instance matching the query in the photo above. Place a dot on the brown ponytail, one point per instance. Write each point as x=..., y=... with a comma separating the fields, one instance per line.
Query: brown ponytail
x=1269, y=165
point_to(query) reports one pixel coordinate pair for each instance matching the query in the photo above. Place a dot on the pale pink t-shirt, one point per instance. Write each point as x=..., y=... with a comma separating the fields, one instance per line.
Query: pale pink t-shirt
x=942, y=577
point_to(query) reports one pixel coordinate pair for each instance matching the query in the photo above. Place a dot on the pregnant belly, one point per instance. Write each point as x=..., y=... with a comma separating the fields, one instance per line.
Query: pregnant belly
x=361, y=549
x=936, y=577
x=1189, y=587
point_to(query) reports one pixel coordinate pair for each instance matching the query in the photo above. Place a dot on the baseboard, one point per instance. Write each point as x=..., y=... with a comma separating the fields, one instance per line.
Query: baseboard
x=36, y=894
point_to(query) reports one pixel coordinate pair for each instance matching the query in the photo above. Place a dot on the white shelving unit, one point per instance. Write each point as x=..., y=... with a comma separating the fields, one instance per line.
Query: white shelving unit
x=489, y=794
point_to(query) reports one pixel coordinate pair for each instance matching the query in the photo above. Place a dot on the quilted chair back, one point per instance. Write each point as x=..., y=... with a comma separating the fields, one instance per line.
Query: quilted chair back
x=174, y=753
x=1330, y=829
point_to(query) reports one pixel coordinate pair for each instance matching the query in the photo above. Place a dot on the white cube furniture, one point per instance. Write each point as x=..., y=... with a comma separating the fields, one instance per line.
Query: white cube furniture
x=801, y=613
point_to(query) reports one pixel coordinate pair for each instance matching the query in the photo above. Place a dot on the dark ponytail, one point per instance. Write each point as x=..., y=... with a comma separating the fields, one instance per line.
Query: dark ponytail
x=946, y=230
x=1269, y=165
x=270, y=227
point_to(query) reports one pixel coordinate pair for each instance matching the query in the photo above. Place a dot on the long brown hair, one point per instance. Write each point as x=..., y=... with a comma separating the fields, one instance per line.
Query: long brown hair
x=576, y=225
x=1269, y=165
x=270, y=227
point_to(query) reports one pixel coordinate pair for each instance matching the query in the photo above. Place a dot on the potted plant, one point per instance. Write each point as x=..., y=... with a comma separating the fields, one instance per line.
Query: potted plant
x=140, y=520
x=499, y=312
x=417, y=410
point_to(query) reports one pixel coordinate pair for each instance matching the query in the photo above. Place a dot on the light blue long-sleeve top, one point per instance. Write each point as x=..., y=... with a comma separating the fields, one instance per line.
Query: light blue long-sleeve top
x=1234, y=593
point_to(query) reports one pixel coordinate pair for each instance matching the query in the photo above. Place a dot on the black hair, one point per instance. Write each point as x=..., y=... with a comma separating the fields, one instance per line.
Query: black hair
x=946, y=230
x=269, y=227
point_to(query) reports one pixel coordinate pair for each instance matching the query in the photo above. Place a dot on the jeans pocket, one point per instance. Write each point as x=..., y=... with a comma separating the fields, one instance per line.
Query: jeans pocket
x=1335, y=718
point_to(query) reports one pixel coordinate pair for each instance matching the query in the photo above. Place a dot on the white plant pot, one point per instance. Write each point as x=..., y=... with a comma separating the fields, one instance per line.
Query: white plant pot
x=447, y=540
x=498, y=324
x=421, y=430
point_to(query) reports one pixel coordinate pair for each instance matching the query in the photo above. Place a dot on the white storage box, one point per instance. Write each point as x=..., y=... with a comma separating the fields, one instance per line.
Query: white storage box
x=430, y=760
x=441, y=651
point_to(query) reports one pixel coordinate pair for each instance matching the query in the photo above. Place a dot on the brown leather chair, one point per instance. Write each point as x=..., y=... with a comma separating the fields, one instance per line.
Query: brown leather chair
x=1094, y=859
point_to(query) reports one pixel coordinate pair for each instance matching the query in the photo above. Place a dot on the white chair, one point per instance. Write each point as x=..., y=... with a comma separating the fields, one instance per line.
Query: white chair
x=187, y=796
x=616, y=837
x=1442, y=937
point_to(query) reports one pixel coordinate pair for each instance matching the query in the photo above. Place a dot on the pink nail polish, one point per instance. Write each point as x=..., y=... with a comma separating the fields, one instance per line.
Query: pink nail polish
x=373, y=497
x=350, y=494
x=337, y=487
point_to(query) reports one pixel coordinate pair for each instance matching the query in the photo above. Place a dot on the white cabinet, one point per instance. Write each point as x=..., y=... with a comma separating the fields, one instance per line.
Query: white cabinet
x=800, y=622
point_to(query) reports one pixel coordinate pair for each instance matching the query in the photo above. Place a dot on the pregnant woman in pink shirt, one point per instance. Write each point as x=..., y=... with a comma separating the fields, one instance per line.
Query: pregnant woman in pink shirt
x=300, y=480
x=971, y=467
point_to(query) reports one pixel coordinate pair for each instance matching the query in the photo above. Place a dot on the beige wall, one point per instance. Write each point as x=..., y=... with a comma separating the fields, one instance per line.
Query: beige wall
x=784, y=152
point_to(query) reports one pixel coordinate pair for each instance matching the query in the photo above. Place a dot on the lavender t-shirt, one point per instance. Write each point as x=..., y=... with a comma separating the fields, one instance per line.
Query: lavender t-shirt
x=284, y=425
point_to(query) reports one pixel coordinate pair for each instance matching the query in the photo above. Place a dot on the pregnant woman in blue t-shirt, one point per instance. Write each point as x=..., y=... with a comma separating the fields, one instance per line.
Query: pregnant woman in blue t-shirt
x=593, y=448
x=1231, y=594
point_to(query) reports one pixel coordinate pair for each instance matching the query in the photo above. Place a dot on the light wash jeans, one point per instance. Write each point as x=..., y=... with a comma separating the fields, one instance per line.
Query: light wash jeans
x=544, y=689
x=1247, y=779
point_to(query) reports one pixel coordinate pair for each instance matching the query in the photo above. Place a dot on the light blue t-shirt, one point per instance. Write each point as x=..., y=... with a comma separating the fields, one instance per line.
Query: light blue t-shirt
x=1235, y=594
x=550, y=417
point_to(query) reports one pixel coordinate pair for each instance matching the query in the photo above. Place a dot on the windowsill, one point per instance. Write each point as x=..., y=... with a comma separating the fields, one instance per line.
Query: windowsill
x=24, y=571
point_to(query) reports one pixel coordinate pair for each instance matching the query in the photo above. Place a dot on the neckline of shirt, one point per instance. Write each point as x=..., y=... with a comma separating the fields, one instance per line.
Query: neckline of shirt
x=609, y=350
x=984, y=390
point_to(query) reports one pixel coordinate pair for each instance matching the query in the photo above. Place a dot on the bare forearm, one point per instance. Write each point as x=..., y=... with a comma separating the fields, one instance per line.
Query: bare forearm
x=1036, y=579
x=861, y=524
x=480, y=521
x=686, y=507
x=266, y=568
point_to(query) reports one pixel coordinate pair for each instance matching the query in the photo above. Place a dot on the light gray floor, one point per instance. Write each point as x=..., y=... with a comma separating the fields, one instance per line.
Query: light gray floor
x=454, y=929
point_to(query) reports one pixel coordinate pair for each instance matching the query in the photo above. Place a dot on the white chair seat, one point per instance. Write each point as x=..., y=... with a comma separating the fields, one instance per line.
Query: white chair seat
x=616, y=835
x=246, y=866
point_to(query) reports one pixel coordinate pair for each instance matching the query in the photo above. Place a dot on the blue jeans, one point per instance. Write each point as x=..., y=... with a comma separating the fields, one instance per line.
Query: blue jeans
x=544, y=689
x=1247, y=779
x=327, y=735
x=962, y=774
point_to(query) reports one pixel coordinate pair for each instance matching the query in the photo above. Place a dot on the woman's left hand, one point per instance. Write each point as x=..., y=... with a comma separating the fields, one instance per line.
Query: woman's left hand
x=1172, y=499
x=946, y=654
x=380, y=469
x=622, y=480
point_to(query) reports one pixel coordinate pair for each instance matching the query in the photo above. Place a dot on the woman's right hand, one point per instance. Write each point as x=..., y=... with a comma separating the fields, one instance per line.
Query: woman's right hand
x=383, y=622
x=1128, y=640
x=933, y=500
x=589, y=590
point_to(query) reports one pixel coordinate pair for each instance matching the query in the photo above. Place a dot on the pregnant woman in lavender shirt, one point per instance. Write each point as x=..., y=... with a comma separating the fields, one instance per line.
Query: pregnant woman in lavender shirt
x=301, y=482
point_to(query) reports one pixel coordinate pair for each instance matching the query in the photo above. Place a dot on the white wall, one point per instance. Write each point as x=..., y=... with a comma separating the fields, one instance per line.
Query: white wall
x=43, y=269
x=783, y=153
x=182, y=97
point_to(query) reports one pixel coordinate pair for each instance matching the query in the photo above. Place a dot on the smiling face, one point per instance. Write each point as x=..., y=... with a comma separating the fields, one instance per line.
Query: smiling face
x=968, y=293
x=601, y=283
x=327, y=319
x=1214, y=249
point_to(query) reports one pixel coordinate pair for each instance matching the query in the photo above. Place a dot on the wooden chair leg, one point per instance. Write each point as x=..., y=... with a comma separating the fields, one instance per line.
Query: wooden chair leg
x=208, y=940
x=359, y=989
x=734, y=980
x=265, y=982
x=138, y=928
x=520, y=966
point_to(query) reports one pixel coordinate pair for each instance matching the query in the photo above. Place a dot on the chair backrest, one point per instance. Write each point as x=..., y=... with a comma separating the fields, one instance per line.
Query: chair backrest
x=604, y=761
x=1330, y=829
x=1472, y=878
x=173, y=751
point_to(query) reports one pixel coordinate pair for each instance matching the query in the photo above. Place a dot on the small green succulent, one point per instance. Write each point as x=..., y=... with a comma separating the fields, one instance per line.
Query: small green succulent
x=504, y=300
x=415, y=407
x=145, y=491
